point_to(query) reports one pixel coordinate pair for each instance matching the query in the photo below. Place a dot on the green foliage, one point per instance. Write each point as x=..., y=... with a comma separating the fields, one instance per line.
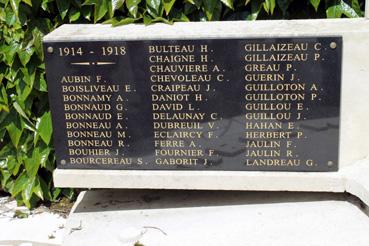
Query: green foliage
x=26, y=152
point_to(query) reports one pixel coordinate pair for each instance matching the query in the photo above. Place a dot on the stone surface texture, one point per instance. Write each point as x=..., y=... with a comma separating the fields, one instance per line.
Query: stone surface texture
x=22, y=227
x=187, y=218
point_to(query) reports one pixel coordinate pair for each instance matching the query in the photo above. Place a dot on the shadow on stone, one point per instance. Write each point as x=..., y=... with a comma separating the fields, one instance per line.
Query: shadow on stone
x=111, y=200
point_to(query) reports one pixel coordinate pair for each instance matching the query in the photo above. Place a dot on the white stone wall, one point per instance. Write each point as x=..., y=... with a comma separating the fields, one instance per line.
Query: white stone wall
x=353, y=174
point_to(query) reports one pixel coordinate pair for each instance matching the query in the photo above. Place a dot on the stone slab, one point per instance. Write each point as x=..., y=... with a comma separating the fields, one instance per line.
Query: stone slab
x=160, y=218
x=200, y=180
x=354, y=136
x=308, y=130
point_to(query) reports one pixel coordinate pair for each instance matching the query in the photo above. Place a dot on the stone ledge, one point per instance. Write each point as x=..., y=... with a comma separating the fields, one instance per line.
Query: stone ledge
x=198, y=30
x=352, y=179
x=356, y=180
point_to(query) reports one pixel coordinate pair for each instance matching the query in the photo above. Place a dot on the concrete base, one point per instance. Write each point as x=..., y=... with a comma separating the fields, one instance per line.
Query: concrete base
x=354, y=130
x=352, y=179
x=221, y=218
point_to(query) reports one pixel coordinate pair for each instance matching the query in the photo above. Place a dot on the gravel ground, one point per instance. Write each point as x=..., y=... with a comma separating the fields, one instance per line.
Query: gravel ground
x=20, y=226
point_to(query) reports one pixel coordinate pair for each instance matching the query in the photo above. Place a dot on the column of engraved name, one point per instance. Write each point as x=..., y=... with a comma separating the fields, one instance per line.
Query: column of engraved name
x=179, y=76
x=87, y=113
x=275, y=99
x=91, y=106
x=94, y=105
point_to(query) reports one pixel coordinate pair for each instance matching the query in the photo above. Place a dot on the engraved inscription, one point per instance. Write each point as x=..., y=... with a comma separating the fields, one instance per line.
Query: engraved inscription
x=212, y=104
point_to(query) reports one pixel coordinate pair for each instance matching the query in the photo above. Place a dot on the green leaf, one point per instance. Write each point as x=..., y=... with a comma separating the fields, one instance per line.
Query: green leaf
x=334, y=11
x=101, y=8
x=37, y=42
x=168, y=4
x=23, y=90
x=315, y=4
x=3, y=163
x=40, y=84
x=11, y=164
x=124, y=21
x=209, y=6
x=29, y=74
x=38, y=158
x=27, y=125
x=132, y=6
x=269, y=6
x=217, y=11
x=356, y=6
x=228, y=3
x=5, y=180
x=4, y=100
x=19, y=184
x=19, y=109
x=147, y=20
x=29, y=2
x=16, y=168
x=179, y=16
x=256, y=6
x=56, y=192
x=63, y=7
x=154, y=4
x=10, y=51
x=32, y=165
x=44, y=5
x=74, y=15
x=24, y=85
x=2, y=15
x=340, y=7
x=37, y=190
x=44, y=127
x=69, y=193
x=116, y=4
x=27, y=192
x=15, y=6
x=14, y=130
x=161, y=19
x=348, y=11
x=24, y=147
x=45, y=190
x=10, y=18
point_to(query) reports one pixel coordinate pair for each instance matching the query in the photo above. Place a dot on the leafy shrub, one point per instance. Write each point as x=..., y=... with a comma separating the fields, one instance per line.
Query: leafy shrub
x=26, y=151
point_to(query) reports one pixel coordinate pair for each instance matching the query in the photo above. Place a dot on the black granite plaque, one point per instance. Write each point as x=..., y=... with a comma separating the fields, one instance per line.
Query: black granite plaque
x=268, y=104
